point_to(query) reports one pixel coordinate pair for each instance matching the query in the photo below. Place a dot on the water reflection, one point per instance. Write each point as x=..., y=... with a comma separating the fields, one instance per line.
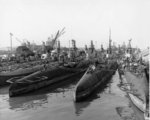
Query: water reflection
x=4, y=90
x=138, y=113
x=126, y=112
x=79, y=107
x=27, y=102
x=109, y=87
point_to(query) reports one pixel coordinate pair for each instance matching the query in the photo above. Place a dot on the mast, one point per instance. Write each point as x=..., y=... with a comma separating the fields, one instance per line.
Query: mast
x=11, y=42
x=69, y=46
x=110, y=41
x=86, y=48
x=102, y=49
x=129, y=47
x=92, y=46
x=58, y=46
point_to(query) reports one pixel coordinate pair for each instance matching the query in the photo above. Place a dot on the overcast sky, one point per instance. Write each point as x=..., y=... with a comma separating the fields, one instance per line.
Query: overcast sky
x=85, y=20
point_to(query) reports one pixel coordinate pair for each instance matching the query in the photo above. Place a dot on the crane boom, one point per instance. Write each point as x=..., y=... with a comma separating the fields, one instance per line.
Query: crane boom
x=18, y=40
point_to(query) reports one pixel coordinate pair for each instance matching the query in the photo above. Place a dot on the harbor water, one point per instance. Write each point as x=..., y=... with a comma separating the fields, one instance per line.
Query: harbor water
x=106, y=103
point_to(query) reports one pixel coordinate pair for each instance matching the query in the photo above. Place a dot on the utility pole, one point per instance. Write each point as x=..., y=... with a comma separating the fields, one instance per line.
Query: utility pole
x=110, y=41
x=69, y=46
x=11, y=42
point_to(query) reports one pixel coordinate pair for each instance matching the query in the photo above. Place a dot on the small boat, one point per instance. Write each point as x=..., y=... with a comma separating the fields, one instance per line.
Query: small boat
x=140, y=104
x=41, y=79
x=5, y=75
x=137, y=100
x=91, y=80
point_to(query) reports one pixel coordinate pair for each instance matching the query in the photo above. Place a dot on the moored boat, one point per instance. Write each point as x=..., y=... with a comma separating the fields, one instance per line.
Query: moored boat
x=138, y=91
x=41, y=79
x=92, y=79
x=5, y=75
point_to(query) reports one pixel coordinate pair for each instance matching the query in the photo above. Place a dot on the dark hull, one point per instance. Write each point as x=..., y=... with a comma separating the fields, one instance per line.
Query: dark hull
x=90, y=82
x=4, y=76
x=79, y=96
x=3, y=79
x=51, y=77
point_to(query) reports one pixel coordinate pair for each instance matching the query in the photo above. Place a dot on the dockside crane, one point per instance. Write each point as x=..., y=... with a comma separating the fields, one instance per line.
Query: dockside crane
x=58, y=34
